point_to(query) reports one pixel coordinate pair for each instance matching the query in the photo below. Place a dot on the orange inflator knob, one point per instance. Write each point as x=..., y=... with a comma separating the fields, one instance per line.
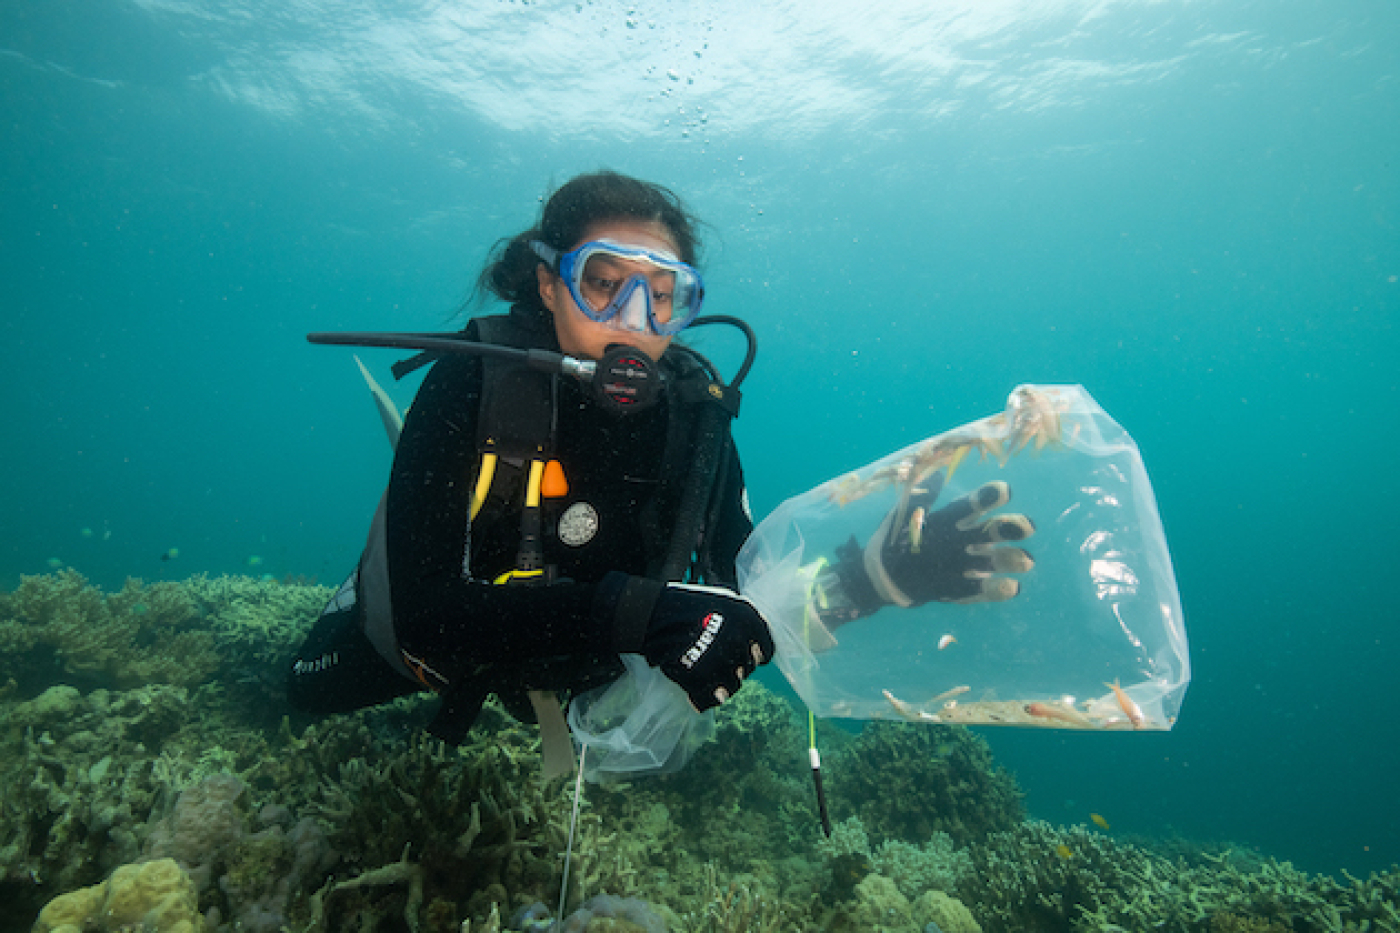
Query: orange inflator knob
x=554, y=485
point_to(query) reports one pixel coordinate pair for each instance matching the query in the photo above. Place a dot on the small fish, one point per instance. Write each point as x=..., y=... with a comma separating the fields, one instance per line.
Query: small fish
x=54, y=563
x=916, y=533
x=945, y=641
x=947, y=695
x=1126, y=704
x=908, y=710
x=254, y=560
x=86, y=532
x=170, y=554
x=1056, y=711
x=1064, y=852
x=1099, y=821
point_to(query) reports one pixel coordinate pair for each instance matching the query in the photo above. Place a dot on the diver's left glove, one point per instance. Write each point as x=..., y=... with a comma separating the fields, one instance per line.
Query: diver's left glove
x=960, y=553
x=704, y=638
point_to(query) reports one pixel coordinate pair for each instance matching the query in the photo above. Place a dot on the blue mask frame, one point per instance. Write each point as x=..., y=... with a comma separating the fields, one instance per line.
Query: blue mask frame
x=630, y=308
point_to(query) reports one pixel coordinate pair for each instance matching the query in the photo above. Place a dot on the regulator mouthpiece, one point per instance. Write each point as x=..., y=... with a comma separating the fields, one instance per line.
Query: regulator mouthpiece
x=626, y=380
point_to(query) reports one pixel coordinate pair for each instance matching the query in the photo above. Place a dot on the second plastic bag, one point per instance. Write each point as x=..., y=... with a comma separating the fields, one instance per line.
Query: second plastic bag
x=1093, y=640
x=640, y=724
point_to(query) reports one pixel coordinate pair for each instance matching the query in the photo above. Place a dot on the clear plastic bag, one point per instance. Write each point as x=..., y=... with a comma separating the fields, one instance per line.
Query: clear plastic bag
x=638, y=725
x=1094, y=640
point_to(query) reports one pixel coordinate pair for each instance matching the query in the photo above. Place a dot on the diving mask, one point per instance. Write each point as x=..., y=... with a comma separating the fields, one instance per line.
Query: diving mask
x=628, y=288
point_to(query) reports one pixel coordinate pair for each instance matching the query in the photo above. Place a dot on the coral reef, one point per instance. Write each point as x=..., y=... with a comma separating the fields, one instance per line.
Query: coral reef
x=937, y=865
x=1075, y=879
x=155, y=897
x=755, y=767
x=80, y=777
x=203, y=828
x=627, y=914
x=57, y=628
x=880, y=905
x=255, y=623
x=909, y=781
x=142, y=634
x=261, y=823
x=941, y=913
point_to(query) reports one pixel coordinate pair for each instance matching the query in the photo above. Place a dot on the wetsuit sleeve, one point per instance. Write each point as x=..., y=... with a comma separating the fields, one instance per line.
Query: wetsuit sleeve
x=733, y=524
x=440, y=612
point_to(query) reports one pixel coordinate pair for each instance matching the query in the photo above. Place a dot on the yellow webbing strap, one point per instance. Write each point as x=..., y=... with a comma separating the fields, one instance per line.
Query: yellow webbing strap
x=483, y=483
x=532, y=485
x=512, y=576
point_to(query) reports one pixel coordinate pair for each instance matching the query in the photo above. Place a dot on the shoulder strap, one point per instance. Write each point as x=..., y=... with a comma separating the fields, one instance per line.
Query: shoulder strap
x=698, y=431
x=516, y=415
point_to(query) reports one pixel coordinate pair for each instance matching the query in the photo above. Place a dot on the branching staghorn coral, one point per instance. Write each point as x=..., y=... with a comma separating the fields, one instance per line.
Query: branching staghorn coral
x=1024, y=879
x=141, y=634
x=909, y=781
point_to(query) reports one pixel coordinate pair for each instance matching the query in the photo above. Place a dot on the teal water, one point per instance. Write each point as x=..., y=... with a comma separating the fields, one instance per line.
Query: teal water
x=1189, y=208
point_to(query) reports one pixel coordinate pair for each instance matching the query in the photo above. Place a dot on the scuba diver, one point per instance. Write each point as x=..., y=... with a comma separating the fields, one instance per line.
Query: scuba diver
x=565, y=490
x=535, y=528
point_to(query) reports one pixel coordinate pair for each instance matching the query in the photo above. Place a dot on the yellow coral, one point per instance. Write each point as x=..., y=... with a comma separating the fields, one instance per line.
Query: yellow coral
x=880, y=906
x=154, y=896
x=949, y=914
x=71, y=910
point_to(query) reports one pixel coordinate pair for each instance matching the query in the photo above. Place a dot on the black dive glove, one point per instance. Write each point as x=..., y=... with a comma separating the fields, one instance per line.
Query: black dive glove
x=952, y=555
x=704, y=638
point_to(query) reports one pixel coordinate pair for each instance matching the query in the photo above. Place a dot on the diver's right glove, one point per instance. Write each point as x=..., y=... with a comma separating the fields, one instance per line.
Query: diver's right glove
x=704, y=638
x=953, y=555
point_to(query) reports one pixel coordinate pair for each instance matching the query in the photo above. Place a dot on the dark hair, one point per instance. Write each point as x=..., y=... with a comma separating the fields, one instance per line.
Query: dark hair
x=567, y=215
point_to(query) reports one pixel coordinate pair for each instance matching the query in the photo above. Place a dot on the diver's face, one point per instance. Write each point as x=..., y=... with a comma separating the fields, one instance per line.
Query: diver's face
x=578, y=334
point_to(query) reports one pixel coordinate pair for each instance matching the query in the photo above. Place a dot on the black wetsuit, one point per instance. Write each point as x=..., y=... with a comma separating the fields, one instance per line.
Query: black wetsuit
x=446, y=610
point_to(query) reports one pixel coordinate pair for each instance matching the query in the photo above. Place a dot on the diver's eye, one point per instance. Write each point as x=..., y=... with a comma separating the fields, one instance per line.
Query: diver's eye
x=598, y=283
